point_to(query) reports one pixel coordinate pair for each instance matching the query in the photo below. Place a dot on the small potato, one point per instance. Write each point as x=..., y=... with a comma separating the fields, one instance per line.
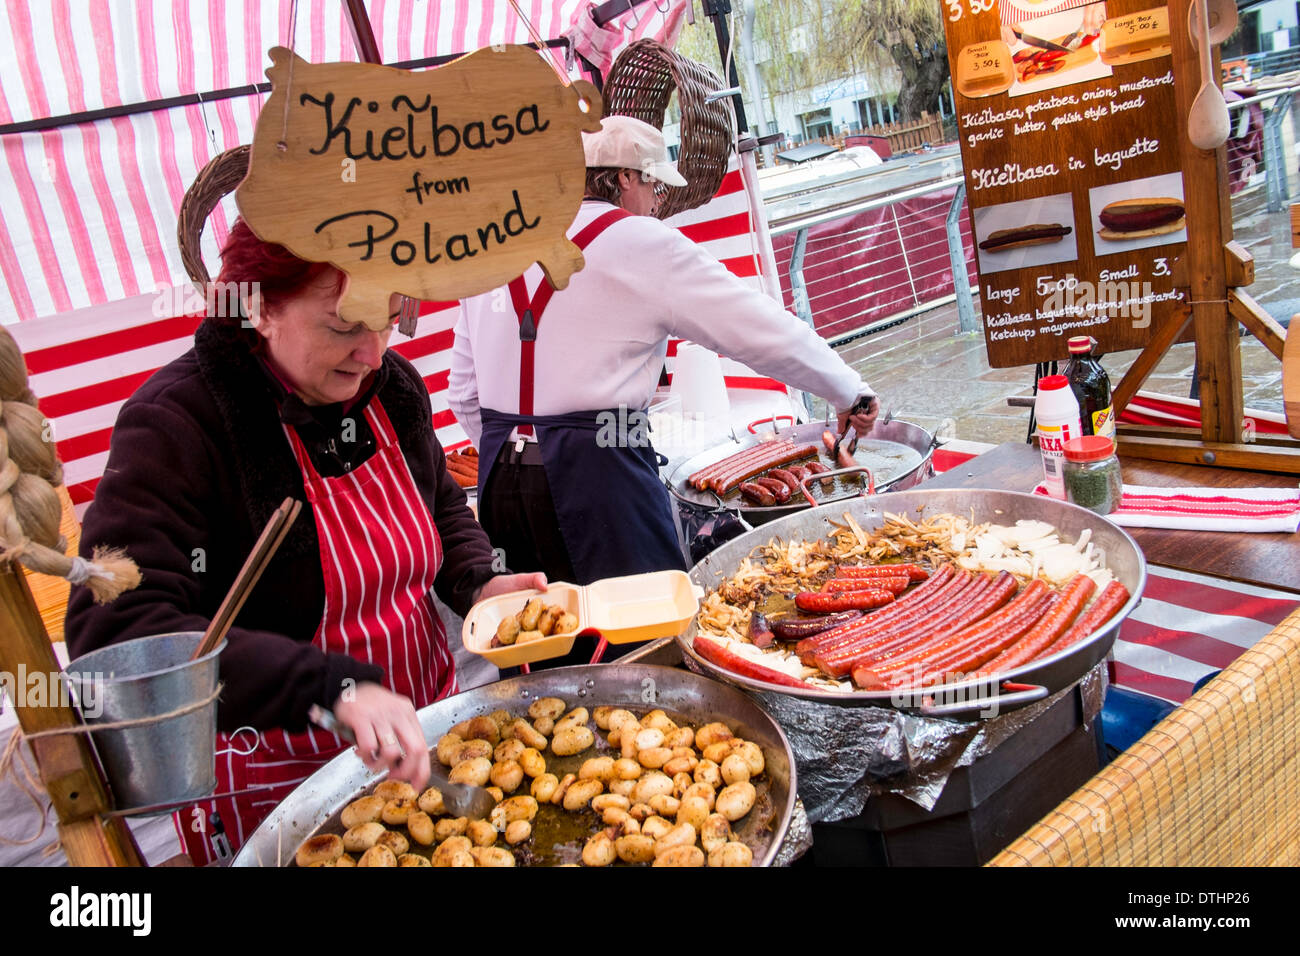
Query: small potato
x=682, y=781
x=623, y=788
x=325, y=848
x=378, y=855
x=551, y=707
x=527, y=637
x=649, y=737
x=566, y=623
x=449, y=849
x=475, y=772
x=706, y=771
x=509, y=750
x=512, y=809
x=659, y=720
x=420, y=825
x=364, y=810
x=492, y=856
x=496, y=793
x=614, y=816
x=597, y=768
x=702, y=790
x=431, y=802
x=565, y=783
x=640, y=812
x=736, y=800
x=460, y=730
x=396, y=812
x=571, y=740
x=500, y=718
x=395, y=842
x=532, y=762
x=363, y=836
x=624, y=827
x=606, y=800
x=546, y=623
x=735, y=769
x=575, y=718
x=654, y=757
x=531, y=613
x=695, y=811
x=544, y=726
x=715, y=832
x=681, y=737
x=680, y=765
x=599, y=850
x=523, y=730
x=656, y=827
x=681, y=835
x=637, y=848
x=485, y=728
x=753, y=755
x=448, y=746
x=580, y=793
x=681, y=856
x=627, y=739
x=544, y=787
x=345, y=860
x=395, y=790
x=601, y=716
x=412, y=859
x=472, y=750
x=711, y=734
x=449, y=827
x=625, y=768
x=481, y=833
x=718, y=752
x=665, y=805
x=618, y=717
x=508, y=630
x=517, y=831
x=652, y=783
x=731, y=854
x=508, y=775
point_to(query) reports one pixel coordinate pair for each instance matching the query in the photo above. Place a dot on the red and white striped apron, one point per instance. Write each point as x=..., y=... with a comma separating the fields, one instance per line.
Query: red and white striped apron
x=379, y=552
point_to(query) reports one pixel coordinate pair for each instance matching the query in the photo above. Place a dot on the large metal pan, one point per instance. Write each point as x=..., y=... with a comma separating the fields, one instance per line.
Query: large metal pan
x=638, y=687
x=1039, y=678
x=897, y=453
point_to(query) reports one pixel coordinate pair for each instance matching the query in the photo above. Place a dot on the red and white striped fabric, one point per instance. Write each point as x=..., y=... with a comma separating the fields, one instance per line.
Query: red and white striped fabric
x=1189, y=625
x=1209, y=509
x=1152, y=408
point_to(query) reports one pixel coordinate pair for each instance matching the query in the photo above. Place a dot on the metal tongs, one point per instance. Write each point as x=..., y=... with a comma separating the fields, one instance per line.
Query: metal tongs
x=460, y=799
x=862, y=404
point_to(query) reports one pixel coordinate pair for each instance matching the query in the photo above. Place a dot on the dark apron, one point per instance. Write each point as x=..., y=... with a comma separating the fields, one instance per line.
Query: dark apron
x=613, y=511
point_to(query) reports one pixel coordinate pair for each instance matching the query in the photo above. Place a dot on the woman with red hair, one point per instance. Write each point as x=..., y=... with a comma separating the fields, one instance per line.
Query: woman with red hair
x=290, y=398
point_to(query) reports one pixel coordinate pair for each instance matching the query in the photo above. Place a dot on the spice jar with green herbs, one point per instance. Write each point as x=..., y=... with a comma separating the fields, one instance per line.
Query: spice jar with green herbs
x=1091, y=474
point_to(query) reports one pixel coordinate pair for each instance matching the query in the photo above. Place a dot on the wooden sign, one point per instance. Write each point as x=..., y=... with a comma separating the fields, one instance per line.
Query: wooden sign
x=438, y=184
x=1069, y=139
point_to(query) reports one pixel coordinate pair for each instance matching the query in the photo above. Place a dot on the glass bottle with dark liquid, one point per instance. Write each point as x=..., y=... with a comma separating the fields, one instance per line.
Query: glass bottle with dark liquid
x=1091, y=386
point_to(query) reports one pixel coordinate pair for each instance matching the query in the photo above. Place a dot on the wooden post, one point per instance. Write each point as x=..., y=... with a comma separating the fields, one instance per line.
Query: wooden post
x=65, y=763
x=1209, y=226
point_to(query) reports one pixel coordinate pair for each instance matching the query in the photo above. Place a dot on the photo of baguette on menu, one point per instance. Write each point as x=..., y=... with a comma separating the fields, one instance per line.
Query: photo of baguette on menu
x=1138, y=213
x=1053, y=43
x=1031, y=232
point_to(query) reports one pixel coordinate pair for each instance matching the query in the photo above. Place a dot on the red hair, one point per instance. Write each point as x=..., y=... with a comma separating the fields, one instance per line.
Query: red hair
x=275, y=272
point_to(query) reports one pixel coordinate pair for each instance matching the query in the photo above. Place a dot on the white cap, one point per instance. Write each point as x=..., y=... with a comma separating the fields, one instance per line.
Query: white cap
x=625, y=142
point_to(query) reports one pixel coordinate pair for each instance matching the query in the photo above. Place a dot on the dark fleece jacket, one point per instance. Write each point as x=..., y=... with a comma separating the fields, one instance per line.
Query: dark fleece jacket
x=199, y=461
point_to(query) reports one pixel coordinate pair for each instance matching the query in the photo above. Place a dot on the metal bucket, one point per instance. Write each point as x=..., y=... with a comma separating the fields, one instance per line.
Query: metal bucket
x=164, y=762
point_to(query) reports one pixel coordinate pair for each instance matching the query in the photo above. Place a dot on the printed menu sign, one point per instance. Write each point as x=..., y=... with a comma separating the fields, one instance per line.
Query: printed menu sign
x=1069, y=138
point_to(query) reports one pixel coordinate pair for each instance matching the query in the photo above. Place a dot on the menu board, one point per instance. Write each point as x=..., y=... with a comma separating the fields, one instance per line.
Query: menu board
x=1069, y=138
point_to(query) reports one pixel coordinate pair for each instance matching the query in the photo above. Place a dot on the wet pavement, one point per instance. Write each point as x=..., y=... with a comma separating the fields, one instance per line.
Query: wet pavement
x=931, y=374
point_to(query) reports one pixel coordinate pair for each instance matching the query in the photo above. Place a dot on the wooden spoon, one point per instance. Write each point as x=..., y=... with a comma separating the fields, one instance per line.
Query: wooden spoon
x=1207, y=123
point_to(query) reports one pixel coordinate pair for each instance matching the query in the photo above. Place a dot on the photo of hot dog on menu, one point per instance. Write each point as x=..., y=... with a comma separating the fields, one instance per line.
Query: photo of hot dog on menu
x=1031, y=232
x=1052, y=43
x=1138, y=213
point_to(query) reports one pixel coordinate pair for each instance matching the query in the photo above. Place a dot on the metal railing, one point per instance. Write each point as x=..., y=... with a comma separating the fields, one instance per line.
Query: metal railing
x=895, y=256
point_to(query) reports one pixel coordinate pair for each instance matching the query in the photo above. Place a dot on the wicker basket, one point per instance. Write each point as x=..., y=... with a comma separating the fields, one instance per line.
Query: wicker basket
x=640, y=84
x=213, y=183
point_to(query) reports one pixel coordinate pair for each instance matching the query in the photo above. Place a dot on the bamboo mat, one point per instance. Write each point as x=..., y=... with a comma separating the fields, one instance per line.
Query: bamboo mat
x=1217, y=783
x=50, y=593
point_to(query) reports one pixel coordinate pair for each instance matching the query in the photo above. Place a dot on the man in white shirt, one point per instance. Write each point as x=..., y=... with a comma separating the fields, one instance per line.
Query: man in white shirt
x=532, y=372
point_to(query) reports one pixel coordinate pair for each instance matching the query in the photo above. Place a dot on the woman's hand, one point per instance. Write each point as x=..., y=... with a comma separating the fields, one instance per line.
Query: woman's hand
x=505, y=583
x=387, y=731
